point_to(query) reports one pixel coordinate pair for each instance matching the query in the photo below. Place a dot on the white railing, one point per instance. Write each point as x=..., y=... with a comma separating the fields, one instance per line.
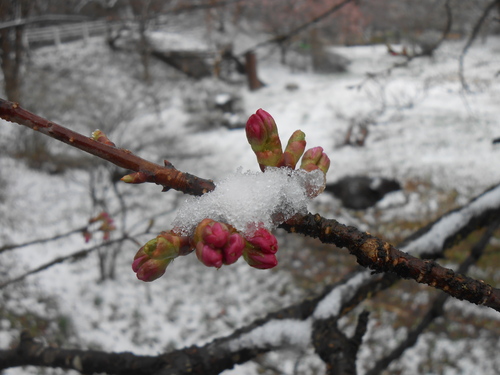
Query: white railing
x=62, y=33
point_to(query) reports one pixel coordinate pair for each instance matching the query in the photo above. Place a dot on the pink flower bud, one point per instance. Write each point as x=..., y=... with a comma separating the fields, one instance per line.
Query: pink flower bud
x=148, y=269
x=263, y=240
x=152, y=259
x=212, y=233
x=324, y=163
x=152, y=269
x=233, y=249
x=262, y=134
x=216, y=235
x=260, y=128
x=260, y=260
x=87, y=236
x=315, y=158
x=209, y=256
x=294, y=149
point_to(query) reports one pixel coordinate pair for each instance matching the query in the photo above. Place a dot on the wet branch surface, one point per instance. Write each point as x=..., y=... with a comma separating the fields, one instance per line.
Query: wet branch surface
x=371, y=252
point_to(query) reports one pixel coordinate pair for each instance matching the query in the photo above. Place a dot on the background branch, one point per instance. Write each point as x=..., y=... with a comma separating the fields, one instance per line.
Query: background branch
x=472, y=37
x=283, y=38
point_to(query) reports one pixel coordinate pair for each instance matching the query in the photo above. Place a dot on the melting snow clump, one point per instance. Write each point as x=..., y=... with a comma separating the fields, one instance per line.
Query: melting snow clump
x=247, y=200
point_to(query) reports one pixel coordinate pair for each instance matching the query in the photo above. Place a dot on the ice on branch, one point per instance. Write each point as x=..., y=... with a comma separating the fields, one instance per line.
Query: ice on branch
x=248, y=200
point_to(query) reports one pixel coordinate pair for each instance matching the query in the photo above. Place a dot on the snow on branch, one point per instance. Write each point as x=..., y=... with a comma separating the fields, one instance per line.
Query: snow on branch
x=451, y=227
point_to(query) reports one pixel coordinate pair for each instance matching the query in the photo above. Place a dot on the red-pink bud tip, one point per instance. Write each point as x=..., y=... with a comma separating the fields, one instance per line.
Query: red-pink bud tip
x=264, y=240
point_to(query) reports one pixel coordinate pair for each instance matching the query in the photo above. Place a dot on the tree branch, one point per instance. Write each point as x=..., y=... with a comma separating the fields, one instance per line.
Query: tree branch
x=338, y=351
x=167, y=175
x=75, y=255
x=380, y=256
x=41, y=240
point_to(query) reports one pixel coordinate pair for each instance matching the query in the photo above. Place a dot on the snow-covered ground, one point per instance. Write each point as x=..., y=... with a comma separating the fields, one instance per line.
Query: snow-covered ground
x=425, y=131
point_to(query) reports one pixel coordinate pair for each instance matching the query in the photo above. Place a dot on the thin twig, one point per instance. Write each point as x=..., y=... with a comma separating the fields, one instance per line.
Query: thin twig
x=472, y=37
x=61, y=259
x=42, y=240
x=279, y=39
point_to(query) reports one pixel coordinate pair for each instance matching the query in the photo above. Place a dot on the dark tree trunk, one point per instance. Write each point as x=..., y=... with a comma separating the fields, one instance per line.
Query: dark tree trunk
x=254, y=83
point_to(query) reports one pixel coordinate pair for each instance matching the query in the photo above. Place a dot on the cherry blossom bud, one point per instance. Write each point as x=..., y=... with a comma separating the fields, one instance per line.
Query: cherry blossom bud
x=99, y=136
x=259, y=260
x=106, y=227
x=263, y=240
x=148, y=269
x=217, y=244
x=315, y=158
x=135, y=178
x=212, y=233
x=166, y=245
x=261, y=249
x=152, y=259
x=294, y=149
x=233, y=249
x=209, y=256
x=262, y=134
x=87, y=235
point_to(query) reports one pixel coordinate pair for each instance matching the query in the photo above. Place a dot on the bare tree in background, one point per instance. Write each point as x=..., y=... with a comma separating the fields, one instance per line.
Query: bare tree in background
x=11, y=44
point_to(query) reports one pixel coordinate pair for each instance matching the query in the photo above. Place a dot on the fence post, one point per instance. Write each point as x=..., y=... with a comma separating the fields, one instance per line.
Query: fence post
x=57, y=36
x=86, y=33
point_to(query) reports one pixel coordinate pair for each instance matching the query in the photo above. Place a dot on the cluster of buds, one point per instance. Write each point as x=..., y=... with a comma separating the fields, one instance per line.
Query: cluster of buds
x=216, y=244
x=262, y=134
x=106, y=227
